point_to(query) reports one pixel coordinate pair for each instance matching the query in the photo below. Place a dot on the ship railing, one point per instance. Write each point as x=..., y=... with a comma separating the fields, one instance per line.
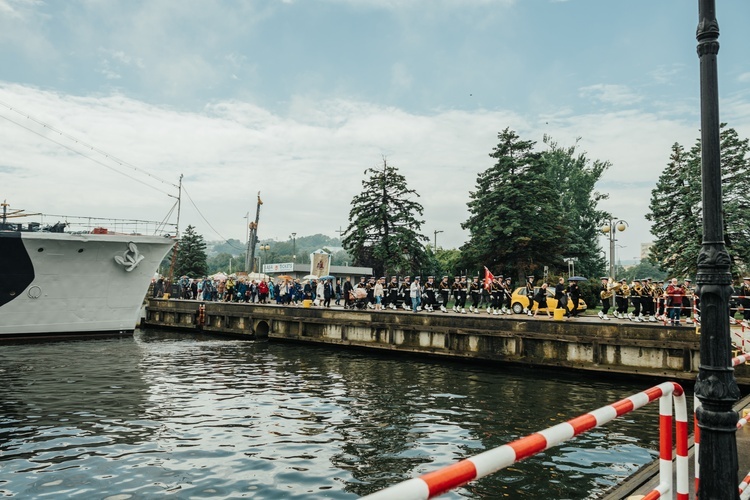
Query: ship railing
x=453, y=476
x=95, y=225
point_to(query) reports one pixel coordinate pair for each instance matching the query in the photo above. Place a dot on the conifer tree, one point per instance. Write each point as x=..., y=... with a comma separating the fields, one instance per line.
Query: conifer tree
x=191, y=255
x=384, y=224
x=515, y=222
x=676, y=210
x=575, y=176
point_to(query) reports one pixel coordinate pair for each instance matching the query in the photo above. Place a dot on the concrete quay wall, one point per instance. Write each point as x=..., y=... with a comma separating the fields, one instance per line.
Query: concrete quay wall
x=639, y=349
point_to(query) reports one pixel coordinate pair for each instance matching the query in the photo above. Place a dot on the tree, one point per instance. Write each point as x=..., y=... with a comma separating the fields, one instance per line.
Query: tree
x=384, y=224
x=191, y=255
x=676, y=209
x=515, y=221
x=575, y=178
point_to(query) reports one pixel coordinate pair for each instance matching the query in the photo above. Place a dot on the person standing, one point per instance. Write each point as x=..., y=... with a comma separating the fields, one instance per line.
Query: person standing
x=675, y=293
x=337, y=291
x=529, y=293
x=415, y=293
x=327, y=293
x=508, y=296
x=405, y=292
x=377, y=293
x=562, y=299
x=348, y=292
x=456, y=292
x=606, y=296
x=574, y=294
x=541, y=300
x=320, y=293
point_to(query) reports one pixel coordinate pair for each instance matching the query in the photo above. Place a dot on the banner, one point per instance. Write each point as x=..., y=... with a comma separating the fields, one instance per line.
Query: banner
x=488, y=277
x=320, y=264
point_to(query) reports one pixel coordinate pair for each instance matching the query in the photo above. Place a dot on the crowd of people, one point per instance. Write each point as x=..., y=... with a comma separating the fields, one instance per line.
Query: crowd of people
x=641, y=300
x=664, y=301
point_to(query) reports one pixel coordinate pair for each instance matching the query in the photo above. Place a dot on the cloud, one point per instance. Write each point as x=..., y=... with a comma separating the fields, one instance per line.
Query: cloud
x=744, y=77
x=307, y=163
x=610, y=94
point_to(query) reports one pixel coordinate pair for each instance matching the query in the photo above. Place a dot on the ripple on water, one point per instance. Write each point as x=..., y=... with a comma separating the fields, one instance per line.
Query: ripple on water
x=165, y=413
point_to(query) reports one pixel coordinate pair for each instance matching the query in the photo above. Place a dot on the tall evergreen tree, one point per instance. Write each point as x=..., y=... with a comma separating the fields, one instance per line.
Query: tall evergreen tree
x=384, y=224
x=191, y=255
x=676, y=210
x=575, y=178
x=515, y=222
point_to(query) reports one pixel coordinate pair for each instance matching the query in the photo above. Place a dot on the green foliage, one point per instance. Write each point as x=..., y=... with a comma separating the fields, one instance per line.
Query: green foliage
x=533, y=209
x=383, y=231
x=676, y=209
x=645, y=269
x=191, y=255
x=575, y=177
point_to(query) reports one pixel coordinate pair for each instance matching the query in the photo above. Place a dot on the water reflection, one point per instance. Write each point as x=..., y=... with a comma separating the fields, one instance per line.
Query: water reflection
x=200, y=416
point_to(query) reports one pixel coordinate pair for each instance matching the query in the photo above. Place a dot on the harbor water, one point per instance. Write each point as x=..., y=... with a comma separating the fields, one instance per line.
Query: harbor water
x=174, y=414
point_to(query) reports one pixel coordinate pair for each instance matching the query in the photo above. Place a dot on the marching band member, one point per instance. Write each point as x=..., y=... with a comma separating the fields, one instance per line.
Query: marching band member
x=745, y=301
x=507, y=296
x=496, y=290
x=393, y=292
x=462, y=293
x=456, y=291
x=444, y=289
x=606, y=296
x=621, y=299
x=429, y=294
x=648, y=306
x=659, y=297
x=476, y=292
x=404, y=292
x=636, y=291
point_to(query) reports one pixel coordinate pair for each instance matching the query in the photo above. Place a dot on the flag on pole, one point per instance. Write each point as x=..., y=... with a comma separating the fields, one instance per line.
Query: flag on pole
x=488, y=277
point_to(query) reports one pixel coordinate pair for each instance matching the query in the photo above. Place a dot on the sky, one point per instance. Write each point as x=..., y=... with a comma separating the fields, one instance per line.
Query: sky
x=295, y=99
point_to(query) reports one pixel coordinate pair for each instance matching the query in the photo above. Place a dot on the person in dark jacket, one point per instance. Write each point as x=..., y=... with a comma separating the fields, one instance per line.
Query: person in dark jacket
x=574, y=294
x=541, y=300
x=327, y=293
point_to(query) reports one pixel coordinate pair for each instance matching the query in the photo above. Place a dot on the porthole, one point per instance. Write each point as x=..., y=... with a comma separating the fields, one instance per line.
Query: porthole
x=80, y=250
x=40, y=250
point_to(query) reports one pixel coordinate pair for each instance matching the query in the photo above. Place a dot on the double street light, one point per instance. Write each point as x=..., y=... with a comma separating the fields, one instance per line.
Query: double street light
x=610, y=228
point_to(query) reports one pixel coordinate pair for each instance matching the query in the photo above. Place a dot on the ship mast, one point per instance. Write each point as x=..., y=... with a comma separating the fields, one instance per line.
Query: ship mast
x=177, y=235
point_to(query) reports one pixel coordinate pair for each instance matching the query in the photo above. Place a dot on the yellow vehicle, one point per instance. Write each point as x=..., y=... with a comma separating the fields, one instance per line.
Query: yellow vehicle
x=519, y=301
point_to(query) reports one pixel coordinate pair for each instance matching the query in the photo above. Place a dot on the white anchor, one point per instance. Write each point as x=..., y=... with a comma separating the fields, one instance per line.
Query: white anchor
x=130, y=258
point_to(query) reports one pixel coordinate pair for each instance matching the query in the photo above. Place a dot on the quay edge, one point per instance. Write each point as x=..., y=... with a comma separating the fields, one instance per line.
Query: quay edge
x=644, y=350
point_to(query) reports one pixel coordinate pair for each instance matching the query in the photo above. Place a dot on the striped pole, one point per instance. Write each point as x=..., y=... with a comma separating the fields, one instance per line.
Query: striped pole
x=438, y=482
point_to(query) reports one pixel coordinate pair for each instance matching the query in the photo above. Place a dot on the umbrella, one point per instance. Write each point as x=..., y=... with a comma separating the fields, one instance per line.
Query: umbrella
x=309, y=277
x=328, y=277
x=284, y=277
x=577, y=278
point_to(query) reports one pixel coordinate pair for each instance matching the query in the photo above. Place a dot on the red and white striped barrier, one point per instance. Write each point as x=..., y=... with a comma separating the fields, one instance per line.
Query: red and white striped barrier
x=438, y=482
x=737, y=360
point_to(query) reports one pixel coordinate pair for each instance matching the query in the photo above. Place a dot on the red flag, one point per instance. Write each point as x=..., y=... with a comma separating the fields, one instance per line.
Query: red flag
x=488, y=277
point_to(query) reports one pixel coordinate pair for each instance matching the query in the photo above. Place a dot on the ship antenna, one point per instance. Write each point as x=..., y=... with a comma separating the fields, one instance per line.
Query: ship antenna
x=177, y=229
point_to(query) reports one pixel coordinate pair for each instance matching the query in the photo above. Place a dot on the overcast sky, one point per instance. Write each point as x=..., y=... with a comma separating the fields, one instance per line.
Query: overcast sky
x=296, y=98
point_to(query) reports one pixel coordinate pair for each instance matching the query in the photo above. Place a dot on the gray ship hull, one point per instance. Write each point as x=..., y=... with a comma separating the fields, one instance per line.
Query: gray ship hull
x=63, y=284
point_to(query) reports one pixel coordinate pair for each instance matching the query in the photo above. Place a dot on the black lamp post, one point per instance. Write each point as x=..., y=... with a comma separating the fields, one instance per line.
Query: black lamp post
x=715, y=387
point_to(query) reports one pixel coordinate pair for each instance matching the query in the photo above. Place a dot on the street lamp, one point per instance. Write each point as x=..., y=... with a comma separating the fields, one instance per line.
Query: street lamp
x=436, y=231
x=265, y=249
x=610, y=228
x=294, y=247
x=715, y=386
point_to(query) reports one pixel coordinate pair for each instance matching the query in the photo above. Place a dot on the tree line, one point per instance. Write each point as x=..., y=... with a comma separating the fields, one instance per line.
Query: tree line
x=536, y=206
